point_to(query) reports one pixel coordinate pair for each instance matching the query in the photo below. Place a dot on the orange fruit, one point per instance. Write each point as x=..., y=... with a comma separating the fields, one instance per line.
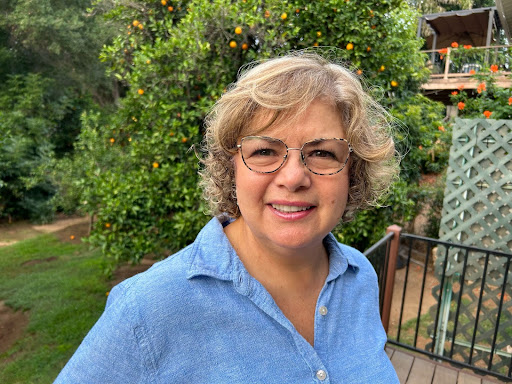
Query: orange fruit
x=72, y=237
x=155, y=165
x=315, y=44
x=319, y=33
x=232, y=44
x=284, y=16
x=368, y=49
x=184, y=140
x=135, y=23
x=267, y=14
x=140, y=91
x=238, y=30
x=112, y=140
x=107, y=225
x=170, y=9
x=382, y=68
x=359, y=72
x=171, y=134
x=245, y=46
x=141, y=26
x=394, y=83
x=350, y=46
x=163, y=2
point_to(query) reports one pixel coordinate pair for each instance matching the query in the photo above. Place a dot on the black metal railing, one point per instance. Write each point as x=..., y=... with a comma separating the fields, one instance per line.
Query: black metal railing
x=452, y=302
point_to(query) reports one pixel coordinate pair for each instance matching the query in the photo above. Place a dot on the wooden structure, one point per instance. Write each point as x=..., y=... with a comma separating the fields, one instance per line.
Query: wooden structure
x=480, y=38
x=414, y=369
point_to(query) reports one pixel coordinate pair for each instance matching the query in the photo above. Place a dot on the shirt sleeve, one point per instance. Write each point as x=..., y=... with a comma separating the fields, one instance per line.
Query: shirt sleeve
x=111, y=352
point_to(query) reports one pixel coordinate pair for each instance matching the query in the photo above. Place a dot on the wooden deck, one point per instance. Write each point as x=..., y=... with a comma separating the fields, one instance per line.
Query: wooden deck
x=414, y=369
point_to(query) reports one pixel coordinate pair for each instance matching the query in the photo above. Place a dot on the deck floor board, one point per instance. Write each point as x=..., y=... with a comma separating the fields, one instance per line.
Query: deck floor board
x=414, y=369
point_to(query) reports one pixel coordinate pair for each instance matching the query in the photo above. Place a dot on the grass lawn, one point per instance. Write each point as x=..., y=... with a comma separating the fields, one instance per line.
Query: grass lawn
x=63, y=297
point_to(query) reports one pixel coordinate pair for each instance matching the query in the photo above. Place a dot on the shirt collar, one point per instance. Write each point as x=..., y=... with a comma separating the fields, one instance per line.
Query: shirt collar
x=340, y=258
x=214, y=256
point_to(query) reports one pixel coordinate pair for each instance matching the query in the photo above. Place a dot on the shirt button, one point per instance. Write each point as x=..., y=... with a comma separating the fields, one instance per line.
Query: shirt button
x=321, y=375
x=323, y=310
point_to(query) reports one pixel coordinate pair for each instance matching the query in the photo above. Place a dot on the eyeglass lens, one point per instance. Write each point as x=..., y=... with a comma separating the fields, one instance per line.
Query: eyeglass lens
x=322, y=156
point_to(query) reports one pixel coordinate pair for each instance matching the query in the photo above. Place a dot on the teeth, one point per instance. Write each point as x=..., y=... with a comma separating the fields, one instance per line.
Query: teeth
x=289, y=208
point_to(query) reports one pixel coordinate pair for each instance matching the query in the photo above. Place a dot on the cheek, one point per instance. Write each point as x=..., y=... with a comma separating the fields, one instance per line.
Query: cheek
x=338, y=201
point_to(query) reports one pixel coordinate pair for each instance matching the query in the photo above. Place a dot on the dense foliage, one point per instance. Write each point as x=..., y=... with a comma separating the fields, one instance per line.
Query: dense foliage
x=26, y=119
x=49, y=74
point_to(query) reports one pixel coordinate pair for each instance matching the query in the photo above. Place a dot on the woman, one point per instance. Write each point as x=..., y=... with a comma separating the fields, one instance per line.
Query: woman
x=265, y=294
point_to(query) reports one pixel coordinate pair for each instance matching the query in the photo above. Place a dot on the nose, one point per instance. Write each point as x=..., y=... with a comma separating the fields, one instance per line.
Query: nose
x=293, y=175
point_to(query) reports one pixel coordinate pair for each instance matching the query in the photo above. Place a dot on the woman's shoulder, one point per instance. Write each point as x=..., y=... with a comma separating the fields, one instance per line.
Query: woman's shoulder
x=162, y=278
x=172, y=277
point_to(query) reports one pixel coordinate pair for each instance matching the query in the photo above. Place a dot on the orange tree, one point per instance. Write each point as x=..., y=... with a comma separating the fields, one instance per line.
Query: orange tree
x=173, y=60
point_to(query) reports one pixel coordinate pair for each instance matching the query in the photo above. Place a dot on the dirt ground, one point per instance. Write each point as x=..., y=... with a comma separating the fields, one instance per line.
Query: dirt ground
x=65, y=227
x=12, y=325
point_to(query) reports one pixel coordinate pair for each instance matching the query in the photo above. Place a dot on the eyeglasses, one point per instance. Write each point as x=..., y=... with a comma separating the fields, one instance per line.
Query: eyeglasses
x=264, y=154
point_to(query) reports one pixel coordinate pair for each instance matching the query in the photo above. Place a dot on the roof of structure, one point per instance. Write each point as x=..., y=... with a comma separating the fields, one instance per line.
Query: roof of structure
x=465, y=27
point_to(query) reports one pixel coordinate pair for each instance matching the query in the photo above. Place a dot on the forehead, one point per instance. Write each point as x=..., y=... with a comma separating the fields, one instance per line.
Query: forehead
x=321, y=119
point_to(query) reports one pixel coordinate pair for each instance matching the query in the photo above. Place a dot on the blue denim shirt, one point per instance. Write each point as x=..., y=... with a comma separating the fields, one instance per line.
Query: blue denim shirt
x=199, y=317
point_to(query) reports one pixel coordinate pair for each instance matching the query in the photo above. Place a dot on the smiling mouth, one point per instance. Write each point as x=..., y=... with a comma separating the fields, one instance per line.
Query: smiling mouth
x=289, y=208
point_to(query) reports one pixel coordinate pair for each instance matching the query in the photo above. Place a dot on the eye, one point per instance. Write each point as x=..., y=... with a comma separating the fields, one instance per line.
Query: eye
x=322, y=153
x=263, y=152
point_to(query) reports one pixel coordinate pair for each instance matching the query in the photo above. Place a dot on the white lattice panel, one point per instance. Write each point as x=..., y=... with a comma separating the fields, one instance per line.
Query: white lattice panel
x=477, y=208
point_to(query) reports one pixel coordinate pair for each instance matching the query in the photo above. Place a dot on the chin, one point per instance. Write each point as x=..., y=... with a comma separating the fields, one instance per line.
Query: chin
x=296, y=241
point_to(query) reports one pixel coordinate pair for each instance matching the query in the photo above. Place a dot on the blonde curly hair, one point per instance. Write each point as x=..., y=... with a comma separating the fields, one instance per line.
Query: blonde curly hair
x=284, y=87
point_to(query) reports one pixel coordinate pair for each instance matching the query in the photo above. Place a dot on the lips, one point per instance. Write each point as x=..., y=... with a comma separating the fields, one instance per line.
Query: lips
x=290, y=208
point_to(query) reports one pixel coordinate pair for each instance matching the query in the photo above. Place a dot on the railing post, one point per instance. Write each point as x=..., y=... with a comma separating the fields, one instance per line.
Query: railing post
x=447, y=64
x=390, y=273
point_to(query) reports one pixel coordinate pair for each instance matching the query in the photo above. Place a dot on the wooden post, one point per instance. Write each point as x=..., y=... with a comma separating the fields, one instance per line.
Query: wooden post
x=447, y=64
x=390, y=274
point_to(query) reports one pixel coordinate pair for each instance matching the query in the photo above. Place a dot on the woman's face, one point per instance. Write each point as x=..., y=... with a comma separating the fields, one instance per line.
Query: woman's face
x=293, y=208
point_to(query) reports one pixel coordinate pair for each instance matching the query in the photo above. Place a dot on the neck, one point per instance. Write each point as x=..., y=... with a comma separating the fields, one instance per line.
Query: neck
x=277, y=267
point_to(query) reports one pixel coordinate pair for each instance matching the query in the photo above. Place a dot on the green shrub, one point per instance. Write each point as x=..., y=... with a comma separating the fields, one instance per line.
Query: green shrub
x=424, y=139
x=491, y=101
x=28, y=117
